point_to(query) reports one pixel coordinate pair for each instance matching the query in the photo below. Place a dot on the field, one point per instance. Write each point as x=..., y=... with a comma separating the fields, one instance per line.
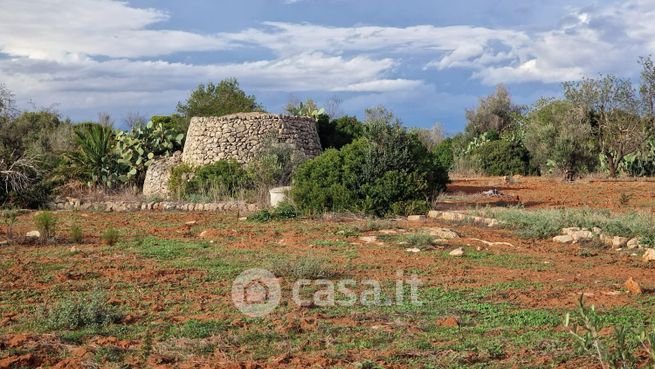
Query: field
x=161, y=296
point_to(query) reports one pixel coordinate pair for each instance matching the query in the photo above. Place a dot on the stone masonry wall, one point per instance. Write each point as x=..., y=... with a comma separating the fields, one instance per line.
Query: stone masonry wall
x=241, y=136
x=158, y=174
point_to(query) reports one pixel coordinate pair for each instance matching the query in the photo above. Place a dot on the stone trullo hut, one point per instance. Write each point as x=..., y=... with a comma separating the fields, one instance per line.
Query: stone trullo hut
x=238, y=136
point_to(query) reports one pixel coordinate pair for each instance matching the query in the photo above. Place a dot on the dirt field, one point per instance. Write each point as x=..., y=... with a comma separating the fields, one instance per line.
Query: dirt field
x=497, y=306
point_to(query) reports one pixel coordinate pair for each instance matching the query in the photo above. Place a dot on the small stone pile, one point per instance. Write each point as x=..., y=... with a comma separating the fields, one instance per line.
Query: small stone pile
x=123, y=206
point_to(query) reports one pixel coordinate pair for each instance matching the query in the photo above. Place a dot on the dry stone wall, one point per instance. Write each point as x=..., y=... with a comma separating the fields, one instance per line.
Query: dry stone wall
x=241, y=136
x=158, y=174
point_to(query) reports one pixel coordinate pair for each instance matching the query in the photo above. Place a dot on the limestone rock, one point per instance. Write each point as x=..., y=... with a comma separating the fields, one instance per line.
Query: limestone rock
x=649, y=255
x=563, y=239
x=416, y=218
x=413, y=249
x=634, y=243
x=457, y=252
x=33, y=234
x=442, y=233
x=368, y=239
x=618, y=242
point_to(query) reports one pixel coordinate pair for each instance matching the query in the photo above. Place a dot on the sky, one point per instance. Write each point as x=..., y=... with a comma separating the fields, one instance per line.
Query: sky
x=425, y=60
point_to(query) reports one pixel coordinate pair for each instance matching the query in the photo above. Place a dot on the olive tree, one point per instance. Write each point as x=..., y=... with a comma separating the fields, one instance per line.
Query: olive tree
x=495, y=112
x=559, y=137
x=613, y=111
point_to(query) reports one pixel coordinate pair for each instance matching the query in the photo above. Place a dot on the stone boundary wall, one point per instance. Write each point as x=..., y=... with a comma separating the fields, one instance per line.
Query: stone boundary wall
x=122, y=206
x=158, y=174
x=241, y=136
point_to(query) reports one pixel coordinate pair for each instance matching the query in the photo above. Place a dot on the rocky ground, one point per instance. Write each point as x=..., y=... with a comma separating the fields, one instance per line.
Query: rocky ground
x=490, y=299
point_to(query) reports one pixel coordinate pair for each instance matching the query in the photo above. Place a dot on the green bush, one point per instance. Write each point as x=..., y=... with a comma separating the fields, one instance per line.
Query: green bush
x=386, y=172
x=81, y=312
x=503, y=157
x=76, y=234
x=337, y=133
x=218, y=180
x=46, y=223
x=443, y=154
x=111, y=236
x=283, y=211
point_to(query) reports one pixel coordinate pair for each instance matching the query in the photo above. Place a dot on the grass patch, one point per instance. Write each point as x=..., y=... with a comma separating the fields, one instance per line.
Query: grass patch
x=307, y=267
x=167, y=249
x=197, y=329
x=547, y=223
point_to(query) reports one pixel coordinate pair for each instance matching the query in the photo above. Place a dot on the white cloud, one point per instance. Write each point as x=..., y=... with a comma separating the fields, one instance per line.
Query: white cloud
x=99, y=52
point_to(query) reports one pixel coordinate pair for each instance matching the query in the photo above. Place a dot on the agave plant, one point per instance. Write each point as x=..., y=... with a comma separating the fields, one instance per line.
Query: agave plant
x=95, y=160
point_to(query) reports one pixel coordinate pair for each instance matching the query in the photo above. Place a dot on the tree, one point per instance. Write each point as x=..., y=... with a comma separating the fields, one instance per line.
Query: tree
x=336, y=133
x=223, y=98
x=431, y=138
x=612, y=109
x=495, y=112
x=559, y=137
x=647, y=88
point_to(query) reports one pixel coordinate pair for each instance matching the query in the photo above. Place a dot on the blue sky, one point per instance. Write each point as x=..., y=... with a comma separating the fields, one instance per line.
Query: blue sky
x=425, y=60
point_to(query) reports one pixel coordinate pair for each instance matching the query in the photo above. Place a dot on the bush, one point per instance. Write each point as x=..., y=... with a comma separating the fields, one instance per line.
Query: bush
x=111, y=236
x=273, y=166
x=92, y=311
x=443, y=154
x=503, y=157
x=216, y=181
x=386, y=172
x=76, y=235
x=283, y=211
x=46, y=223
x=337, y=133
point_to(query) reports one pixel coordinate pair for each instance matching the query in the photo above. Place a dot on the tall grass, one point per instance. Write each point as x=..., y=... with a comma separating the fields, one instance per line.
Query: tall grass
x=547, y=223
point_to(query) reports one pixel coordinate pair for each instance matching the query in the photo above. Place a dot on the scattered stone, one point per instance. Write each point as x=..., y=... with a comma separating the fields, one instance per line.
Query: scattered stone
x=433, y=214
x=414, y=250
x=633, y=286
x=442, y=233
x=597, y=230
x=489, y=243
x=448, y=322
x=634, y=243
x=618, y=242
x=649, y=255
x=33, y=234
x=578, y=234
x=582, y=235
x=570, y=230
x=457, y=252
x=416, y=218
x=563, y=239
x=388, y=231
x=368, y=239
x=191, y=222
x=74, y=249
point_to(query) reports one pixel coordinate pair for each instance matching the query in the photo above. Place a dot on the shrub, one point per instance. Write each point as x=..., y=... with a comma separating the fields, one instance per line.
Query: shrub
x=273, y=166
x=46, y=223
x=443, y=154
x=111, y=236
x=81, y=312
x=283, y=211
x=76, y=234
x=223, y=177
x=507, y=156
x=9, y=218
x=337, y=133
x=380, y=174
